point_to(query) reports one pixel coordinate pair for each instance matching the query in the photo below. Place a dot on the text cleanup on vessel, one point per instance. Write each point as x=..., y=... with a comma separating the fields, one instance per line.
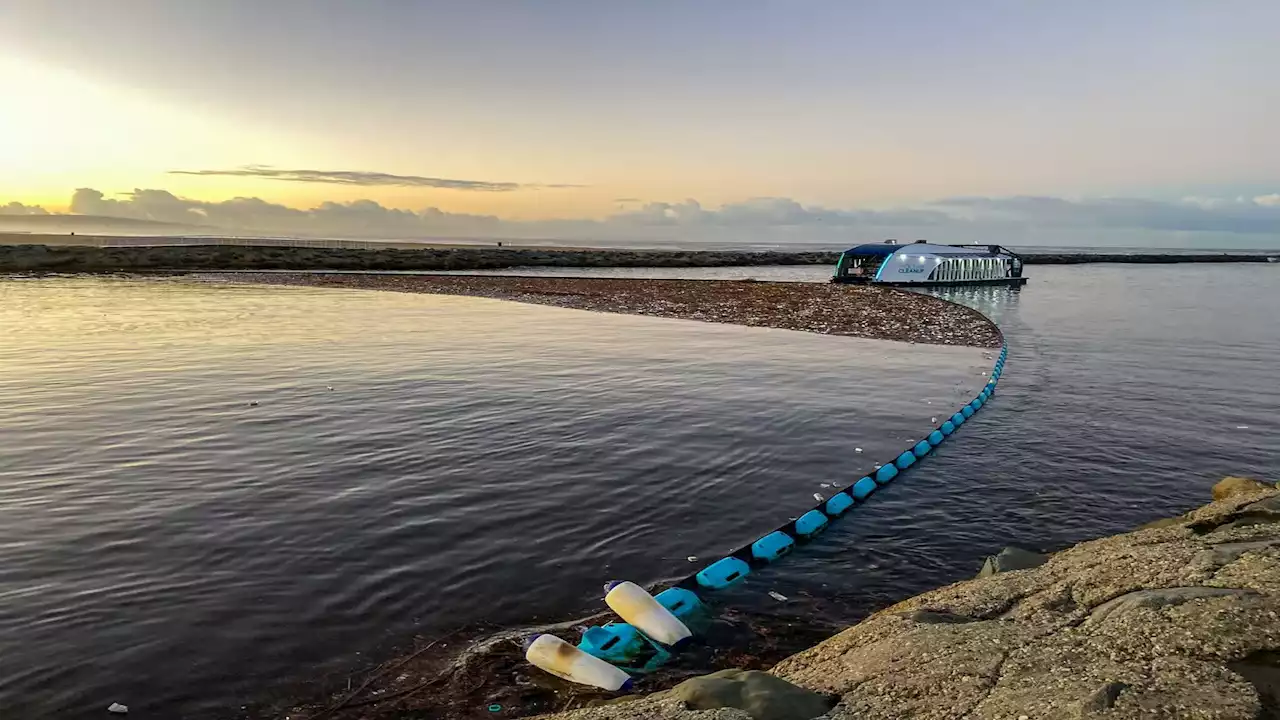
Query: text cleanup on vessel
x=922, y=264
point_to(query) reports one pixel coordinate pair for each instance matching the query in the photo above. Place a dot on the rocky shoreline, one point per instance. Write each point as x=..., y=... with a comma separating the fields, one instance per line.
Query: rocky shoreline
x=1179, y=619
x=88, y=259
x=858, y=311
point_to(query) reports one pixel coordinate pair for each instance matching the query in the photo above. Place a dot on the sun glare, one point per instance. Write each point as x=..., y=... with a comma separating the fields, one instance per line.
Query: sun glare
x=59, y=130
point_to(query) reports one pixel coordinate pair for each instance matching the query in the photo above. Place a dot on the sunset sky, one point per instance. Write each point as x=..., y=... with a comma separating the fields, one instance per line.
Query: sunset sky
x=576, y=110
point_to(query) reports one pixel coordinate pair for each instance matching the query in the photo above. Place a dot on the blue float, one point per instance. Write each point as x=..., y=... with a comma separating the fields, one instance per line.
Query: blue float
x=723, y=573
x=616, y=643
x=935, y=438
x=948, y=427
x=922, y=448
x=838, y=504
x=886, y=473
x=976, y=403
x=863, y=488
x=811, y=523
x=772, y=546
x=684, y=604
x=905, y=460
x=984, y=395
x=967, y=411
x=959, y=418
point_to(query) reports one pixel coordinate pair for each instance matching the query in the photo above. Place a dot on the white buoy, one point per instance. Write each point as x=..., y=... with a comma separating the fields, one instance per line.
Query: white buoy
x=646, y=614
x=563, y=660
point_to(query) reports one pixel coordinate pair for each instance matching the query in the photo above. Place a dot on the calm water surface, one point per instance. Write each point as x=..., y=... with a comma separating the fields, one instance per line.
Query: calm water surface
x=207, y=492
x=165, y=543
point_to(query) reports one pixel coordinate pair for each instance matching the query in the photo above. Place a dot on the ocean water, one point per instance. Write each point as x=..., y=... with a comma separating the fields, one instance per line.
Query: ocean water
x=165, y=543
x=210, y=492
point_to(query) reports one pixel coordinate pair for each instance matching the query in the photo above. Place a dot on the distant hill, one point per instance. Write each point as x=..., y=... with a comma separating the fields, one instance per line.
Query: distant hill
x=97, y=225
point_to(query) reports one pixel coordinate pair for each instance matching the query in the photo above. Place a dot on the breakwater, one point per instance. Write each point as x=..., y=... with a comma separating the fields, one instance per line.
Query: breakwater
x=36, y=258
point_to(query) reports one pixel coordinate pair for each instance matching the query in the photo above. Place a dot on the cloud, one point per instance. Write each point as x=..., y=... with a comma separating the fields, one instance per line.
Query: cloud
x=17, y=208
x=364, y=178
x=1240, y=216
x=1018, y=220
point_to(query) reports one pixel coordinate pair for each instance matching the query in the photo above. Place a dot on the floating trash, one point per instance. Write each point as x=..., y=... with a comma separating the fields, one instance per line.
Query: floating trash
x=818, y=497
x=118, y=709
x=777, y=596
x=857, y=450
x=692, y=558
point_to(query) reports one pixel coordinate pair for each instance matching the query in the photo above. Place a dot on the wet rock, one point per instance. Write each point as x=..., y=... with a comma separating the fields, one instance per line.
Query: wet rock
x=761, y=695
x=1163, y=522
x=1231, y=485
x=1010, y=559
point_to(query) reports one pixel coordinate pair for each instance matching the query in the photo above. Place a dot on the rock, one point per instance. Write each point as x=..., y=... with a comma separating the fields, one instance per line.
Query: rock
x=1010, y=559
x=1104, y=698
x=760, y=695
x=1157, y=599
x=1231, y=485
x=1163, y=522
x=1176, y=622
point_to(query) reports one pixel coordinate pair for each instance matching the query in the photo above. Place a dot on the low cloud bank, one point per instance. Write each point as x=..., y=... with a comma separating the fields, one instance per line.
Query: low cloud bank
x=1236, y=222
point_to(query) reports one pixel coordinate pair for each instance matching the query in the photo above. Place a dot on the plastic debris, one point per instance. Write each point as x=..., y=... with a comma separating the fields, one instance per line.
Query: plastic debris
x=777, y=596
x=858, y=450
x=818, y=497
x=933, y=421
x=692, y=558
x=328, y=387
x=117, y=709
x=824, y=485
x=1242, y=427
x=495, y=708
x=253, y=403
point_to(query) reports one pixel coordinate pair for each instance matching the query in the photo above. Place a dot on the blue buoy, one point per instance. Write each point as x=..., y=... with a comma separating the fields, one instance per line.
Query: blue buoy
x=886, y=473
x=976, y=403
x=959, y=418
x=935, y=438
x=905, y=460
x=682, y=603
x=922, y=448
x=615, y=643
x=967, y=411
x=948, y=427
x=811, y=523
x=772, y=546
x=864, y=487
x=984, y=395
x=838, y=504
x=723, y=573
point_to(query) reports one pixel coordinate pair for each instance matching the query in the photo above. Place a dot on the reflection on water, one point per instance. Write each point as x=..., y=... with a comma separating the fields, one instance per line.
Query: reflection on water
x=167, y=544
x=210, y=491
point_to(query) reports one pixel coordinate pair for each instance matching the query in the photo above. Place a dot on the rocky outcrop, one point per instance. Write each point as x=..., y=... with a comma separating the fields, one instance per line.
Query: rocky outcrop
x=1180, y=621
x=1010, y=559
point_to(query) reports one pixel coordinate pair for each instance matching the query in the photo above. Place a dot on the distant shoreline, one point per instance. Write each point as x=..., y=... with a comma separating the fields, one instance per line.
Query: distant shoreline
x=35, y=258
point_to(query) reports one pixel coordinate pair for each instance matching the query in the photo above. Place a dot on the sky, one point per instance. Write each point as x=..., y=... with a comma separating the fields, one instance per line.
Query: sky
x=1143, y=121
